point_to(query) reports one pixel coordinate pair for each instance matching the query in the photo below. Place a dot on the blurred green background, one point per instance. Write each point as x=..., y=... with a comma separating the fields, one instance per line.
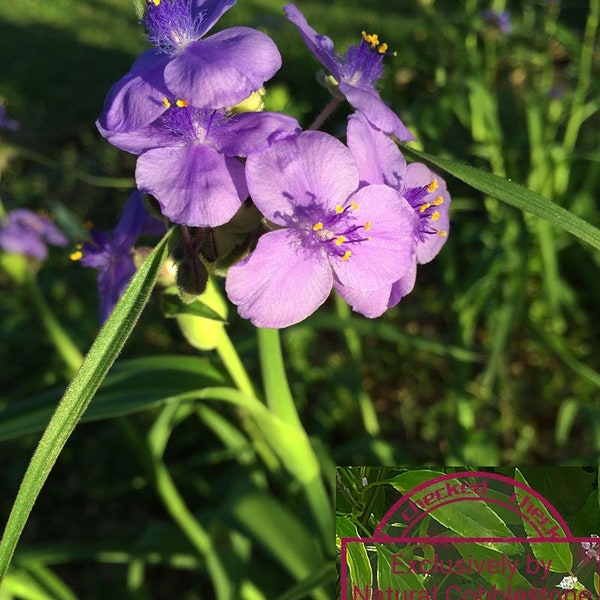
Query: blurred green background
x=491, y=360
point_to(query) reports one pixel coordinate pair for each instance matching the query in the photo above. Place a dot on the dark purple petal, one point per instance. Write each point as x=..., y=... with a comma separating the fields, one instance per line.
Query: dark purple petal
x=194, y=185
x=387, y=250
x=210, y=11
x=368, y=101
x=377, y=157
x=223, y=69
x=137, y=99
x=252, y=132
x=320, y=45
x=279, y=284
x=131, y=221
x=112, y=281
x=299, y=171
x=7, y=122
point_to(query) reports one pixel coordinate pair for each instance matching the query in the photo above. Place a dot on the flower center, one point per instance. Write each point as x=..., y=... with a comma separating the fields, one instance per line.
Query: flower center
x=338, y=231
x=170, y=24
x=188, y=124
x=363, y=63
x=428, y=211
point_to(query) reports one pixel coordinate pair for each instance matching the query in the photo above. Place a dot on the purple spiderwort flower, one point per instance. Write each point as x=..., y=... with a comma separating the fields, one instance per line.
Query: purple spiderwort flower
x=111, y=252
x=499, y=19
x=329, y=232
x=28, y=233
x=379, y=161
x=214, y=72
x=188, y=159
x=356, y=73
x=7, y=122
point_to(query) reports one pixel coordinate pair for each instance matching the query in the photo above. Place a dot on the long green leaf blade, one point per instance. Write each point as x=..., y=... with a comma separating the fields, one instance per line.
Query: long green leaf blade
x=102, y=354
x=514, y=194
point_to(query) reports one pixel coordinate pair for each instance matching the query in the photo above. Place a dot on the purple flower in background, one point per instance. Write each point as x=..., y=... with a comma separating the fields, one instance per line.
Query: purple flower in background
x=7, y=122
x=499, y=19
x=188, y=159
x=26, y=232
x=111, y=252
x=379, y=161
x=215, y=72
x=356, y=73
x=328, y=232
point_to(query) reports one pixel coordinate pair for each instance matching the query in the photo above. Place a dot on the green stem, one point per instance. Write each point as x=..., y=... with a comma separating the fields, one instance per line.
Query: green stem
x=233, y=363
x=275, y=383
x=64, y=345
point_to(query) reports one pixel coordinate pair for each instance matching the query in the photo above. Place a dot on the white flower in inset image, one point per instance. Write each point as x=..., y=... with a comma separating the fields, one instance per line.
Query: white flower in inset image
x=568, y=583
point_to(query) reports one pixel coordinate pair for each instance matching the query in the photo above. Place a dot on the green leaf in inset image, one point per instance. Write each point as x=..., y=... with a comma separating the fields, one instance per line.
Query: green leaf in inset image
x=557, y=552
x=359, y=566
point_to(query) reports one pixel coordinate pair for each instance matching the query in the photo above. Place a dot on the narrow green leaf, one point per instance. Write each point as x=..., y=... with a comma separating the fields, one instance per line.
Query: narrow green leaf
x=557, y=555
x=79, y=394
x=131, y=386
x=514, y=194
x=359, y=566
x=172, y=306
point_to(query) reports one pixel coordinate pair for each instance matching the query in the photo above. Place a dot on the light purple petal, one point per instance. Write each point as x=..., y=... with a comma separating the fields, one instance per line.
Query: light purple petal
x=223, y=69
x=404, y=286
x=280, y=283
x=370, y=304
x=377, y=112
x=377, y=157
x=320, y=45
x=296, y=171
x=387, y=252
x=417, y=175
x=139, y=140
x=194, y=185
x=210, y=11
x=252, y=132
x=136, y=100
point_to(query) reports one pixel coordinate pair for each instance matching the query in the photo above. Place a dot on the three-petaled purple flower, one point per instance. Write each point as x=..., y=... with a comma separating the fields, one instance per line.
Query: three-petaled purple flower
x=28, y=233
x=499, y=19
x=327, y=231
x=214, y=72
x=188, y=159
x=111, y=252
x=356, y=73
x=379, y=161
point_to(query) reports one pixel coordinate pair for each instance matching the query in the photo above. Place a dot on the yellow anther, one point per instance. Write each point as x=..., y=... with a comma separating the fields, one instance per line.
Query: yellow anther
x=77, y=255
x=339, y=209
x=340, y=240
x=367, y=225
x=354, y=205
x=155, y=2
x=442, y=233
x=317, y=226
x=347, y=255
x=166, y=103
x=424, y=207
x=435, y=216
x=372, y=39
x=432, y=186
x=181, y=103
x=382, y=49
x=439, y=200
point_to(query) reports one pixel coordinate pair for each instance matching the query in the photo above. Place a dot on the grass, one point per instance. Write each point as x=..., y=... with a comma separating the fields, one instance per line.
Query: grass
x=491, y=359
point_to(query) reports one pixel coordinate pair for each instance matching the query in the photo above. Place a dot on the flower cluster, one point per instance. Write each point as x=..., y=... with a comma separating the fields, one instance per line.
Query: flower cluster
x=287, y=215
x=591, y=549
